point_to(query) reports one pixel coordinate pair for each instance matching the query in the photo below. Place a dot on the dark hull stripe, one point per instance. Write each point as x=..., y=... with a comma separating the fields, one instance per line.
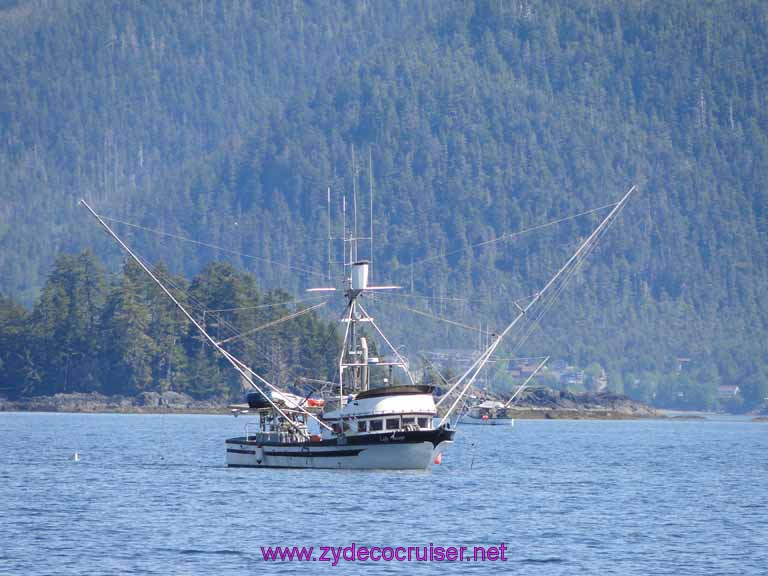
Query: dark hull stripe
x=238, y=451
x=323, y=454
x=411, y=437
x=264, y=466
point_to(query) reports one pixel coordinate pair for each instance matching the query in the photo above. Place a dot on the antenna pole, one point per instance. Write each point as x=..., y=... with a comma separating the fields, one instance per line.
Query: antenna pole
x=344, y=231
x=330, y=234
x=354, y=203
x=370, y=180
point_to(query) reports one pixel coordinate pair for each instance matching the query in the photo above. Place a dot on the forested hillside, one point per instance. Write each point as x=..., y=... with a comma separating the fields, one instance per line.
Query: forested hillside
x=226, y=121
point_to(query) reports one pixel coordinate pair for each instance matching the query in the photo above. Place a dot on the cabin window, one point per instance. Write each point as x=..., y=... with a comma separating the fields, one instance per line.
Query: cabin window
x=362, y=426
x=336, y=428
x=408, y=421
x=393, y=423
x=424, y=423
x=375, y=425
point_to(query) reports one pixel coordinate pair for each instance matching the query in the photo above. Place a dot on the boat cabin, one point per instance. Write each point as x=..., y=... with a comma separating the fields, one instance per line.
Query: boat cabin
x=386, y=409
x=490, y=409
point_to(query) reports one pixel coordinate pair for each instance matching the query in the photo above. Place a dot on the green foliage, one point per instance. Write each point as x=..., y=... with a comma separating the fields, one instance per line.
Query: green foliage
x=64, y=328
x=685, y=392
x=226, y=122
x=128, y=337
x=128, y=348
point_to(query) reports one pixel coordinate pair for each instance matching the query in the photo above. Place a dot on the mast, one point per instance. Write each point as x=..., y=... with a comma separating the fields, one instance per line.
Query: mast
x=354, y=362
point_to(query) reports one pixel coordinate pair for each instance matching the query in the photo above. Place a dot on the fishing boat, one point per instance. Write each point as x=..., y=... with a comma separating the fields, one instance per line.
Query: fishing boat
x=495, y=412
x=488, y=413
x=364, y=423
x=365, y=420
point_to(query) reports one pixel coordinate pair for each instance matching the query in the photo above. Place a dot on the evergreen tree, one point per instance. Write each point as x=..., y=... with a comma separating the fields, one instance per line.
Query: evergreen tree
x=128, y=349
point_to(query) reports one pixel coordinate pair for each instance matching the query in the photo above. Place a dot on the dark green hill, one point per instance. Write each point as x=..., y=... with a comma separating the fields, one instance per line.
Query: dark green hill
x=226, y=122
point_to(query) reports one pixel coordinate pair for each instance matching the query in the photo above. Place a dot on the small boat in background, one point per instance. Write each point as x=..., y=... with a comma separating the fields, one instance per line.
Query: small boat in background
x=488, y=413
x=494, y=412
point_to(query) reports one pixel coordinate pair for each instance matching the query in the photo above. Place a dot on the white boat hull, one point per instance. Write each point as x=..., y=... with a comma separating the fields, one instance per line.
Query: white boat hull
x=378, y=455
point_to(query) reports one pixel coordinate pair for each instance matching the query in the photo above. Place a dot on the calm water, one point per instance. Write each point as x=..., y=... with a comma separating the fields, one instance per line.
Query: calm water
x=151, y=496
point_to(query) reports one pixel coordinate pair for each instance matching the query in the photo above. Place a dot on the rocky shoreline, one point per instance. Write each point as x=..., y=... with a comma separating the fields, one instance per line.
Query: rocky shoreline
x=93, y=402
x=560, y=404
x=534, y=404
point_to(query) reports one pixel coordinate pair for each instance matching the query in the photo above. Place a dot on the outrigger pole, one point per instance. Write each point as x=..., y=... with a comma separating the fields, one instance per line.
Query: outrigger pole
x=530, y=377
x=241, y=368
x=478, y=365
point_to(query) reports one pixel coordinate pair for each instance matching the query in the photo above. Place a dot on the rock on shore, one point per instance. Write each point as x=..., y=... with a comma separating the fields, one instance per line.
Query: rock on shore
x=95, y=402
x=548, y=403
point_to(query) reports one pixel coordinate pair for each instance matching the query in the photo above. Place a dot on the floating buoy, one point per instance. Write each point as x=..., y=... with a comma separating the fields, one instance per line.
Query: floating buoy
x=485, y=417
x=75, y=457
x=439, y=458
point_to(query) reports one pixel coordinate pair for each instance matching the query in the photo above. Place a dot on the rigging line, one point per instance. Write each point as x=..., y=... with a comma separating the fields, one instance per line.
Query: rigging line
x=458, y=299
x=536, y=322
x=527, y=380
x=260, y=306
x=215, y=247
x=291, y=373
x=397, y=354
x=236, y=364
x=439, y=318
x=442, y=298
x=201, y=307
x=509, y=235
x=585, y=247
x=272, y=323
x=455, y=422
x=433, y=367
x=228, y=355
x=224, y=323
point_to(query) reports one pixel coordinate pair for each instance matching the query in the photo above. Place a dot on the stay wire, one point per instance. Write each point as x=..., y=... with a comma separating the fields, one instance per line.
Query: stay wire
x=226, y=324
x=215, y=247
x=508, y=235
